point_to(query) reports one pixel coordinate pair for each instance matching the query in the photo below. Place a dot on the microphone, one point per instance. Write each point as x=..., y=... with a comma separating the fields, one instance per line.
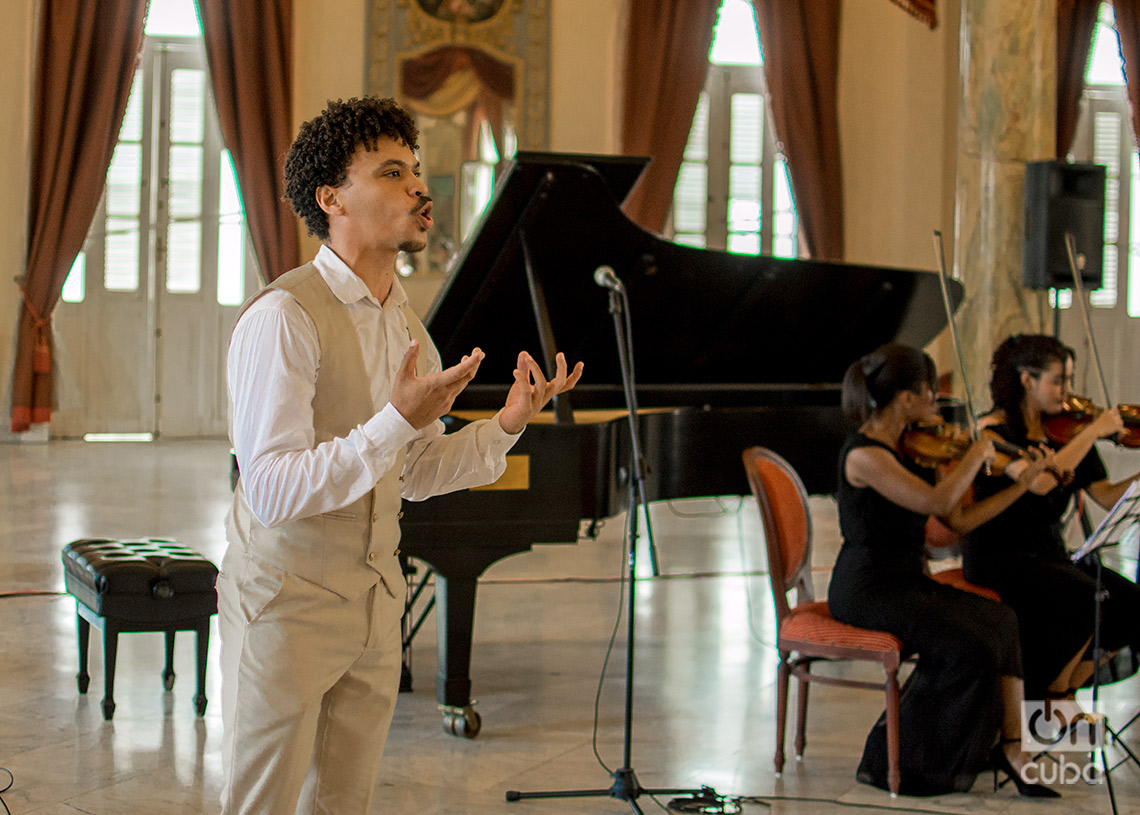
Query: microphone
x=604, y=276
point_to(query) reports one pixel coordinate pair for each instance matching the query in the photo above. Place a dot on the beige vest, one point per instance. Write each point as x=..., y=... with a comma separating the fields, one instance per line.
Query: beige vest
x=349, y=549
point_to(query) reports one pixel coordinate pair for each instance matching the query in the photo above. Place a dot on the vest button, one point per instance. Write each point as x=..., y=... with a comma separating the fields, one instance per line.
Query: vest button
x=396, y=553
x=399, y=515
x=371, y=556
x=375, y=517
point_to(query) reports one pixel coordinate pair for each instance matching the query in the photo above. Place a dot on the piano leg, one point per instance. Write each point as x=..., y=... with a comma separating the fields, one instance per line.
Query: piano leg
x=455, y=620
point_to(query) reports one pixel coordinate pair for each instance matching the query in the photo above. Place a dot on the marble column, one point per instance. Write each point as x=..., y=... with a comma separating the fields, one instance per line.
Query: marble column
x=1006, y=115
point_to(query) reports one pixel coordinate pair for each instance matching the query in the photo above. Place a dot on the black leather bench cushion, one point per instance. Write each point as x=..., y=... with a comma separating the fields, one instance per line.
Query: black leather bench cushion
x=151, y=580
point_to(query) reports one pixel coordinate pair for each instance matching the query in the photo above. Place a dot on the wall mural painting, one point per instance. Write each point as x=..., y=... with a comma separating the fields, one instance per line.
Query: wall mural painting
x=475, y=73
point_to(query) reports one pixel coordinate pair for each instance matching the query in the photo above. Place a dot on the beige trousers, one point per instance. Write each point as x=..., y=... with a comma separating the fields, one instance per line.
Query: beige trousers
x=309, y=684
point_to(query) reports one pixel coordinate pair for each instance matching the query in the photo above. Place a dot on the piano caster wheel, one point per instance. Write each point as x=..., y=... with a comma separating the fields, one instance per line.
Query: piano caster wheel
x=461, y=721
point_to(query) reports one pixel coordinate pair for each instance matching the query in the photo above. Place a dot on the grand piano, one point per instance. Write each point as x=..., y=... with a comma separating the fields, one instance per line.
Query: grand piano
x=729, y=351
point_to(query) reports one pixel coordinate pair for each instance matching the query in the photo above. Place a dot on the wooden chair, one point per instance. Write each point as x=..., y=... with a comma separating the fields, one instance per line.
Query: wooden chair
x=807, y=633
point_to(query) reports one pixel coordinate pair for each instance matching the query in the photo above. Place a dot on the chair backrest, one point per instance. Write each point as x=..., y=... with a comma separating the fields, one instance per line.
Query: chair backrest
x=782, y=499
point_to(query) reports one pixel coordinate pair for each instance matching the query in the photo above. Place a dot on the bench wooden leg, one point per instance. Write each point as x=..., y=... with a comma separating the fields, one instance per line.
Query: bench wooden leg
x=110, y=652
x=84, y=629
x=168, y=671
x=203, y=635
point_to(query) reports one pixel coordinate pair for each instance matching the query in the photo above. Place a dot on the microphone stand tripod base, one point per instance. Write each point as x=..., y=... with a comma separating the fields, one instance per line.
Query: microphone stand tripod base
x=626, y=788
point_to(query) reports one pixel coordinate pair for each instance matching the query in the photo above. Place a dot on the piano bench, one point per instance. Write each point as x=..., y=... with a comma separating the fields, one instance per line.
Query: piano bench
x=140, y=585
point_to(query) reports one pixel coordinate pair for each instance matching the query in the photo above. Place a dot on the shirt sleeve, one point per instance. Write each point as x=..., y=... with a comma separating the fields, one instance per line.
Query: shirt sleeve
x=472, y=456
x=271, y=373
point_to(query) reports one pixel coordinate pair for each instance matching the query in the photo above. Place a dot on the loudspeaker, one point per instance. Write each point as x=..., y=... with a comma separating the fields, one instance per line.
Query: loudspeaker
x=1063, y=198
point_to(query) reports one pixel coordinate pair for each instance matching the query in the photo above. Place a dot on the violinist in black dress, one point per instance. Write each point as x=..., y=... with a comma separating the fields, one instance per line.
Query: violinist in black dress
x=965, y=691
x=1021, y=553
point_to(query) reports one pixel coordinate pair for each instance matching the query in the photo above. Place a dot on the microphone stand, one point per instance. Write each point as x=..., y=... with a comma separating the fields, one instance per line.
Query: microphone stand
x=625, y=785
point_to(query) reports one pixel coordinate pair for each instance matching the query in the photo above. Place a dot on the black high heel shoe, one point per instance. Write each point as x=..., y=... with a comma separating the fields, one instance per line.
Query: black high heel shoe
x=1024, y=788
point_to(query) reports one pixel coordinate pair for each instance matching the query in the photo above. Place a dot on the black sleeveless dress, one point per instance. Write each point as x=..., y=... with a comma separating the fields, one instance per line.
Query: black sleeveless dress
x=950, y=707
x=1021, y=555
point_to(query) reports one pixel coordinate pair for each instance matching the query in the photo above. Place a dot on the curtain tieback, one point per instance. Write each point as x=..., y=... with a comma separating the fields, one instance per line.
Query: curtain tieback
x=41, y=351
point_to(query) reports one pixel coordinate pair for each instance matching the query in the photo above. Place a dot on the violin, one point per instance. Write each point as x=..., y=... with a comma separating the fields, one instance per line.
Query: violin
x=1078, y=412
x=932, y=442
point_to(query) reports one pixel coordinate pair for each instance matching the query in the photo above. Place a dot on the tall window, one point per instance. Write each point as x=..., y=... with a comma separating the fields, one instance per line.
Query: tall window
x=732, y=189
x=169, y=176
x=1104, y=136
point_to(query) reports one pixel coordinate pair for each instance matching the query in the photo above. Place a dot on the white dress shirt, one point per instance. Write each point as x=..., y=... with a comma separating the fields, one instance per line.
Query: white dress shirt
x=271, y=375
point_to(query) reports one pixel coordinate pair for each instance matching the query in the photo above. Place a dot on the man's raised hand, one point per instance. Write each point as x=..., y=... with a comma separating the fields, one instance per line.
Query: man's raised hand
x=531, y=390
x=423, y=399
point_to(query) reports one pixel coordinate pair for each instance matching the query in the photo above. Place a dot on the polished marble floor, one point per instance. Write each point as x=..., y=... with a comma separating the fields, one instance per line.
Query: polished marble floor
x=703, y=679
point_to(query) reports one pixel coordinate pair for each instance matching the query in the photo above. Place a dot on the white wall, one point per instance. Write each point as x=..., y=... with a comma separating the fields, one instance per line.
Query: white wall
x=328, y=63
x=585, y=75
x=896, y=138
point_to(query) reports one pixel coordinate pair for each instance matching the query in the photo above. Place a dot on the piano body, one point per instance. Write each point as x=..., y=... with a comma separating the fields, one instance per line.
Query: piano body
x=729, y=351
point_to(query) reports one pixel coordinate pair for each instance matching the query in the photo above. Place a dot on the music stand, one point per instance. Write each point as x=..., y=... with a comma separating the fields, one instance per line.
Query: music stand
x=1121, y=522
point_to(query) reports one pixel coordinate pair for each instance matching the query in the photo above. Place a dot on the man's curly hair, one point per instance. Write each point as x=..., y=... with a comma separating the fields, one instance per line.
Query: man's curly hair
x=324, y=147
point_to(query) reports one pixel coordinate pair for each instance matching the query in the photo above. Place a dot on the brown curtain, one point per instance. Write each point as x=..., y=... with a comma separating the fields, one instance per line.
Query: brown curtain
x=800, y=42
x=667, y=57
x=1076, y=21
x=492, y=87
x=420, y=77
x=922, y=9
x=1128, y=26
x=249, y=51
x=85, y=64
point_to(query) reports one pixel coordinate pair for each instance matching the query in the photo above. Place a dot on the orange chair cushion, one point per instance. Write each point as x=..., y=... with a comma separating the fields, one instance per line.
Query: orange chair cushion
x=955, y=578
x=812, y=623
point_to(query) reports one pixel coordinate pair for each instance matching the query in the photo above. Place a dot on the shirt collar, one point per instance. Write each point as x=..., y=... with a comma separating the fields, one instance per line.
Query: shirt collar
x=346, y=285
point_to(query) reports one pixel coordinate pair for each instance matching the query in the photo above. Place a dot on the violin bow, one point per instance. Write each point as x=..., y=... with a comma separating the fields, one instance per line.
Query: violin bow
x=1079, y=295
x=943, y=279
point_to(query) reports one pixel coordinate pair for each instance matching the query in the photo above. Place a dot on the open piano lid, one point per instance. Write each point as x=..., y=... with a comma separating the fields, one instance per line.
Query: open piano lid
x=709, y=327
